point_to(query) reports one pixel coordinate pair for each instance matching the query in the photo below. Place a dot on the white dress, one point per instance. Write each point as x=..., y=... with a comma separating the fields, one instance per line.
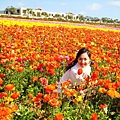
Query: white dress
x=72, y=74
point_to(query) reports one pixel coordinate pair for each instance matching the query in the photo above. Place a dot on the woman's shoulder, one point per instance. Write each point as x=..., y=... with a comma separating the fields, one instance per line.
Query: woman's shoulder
x=74, y=68
x=88, y=67
x=87, y=70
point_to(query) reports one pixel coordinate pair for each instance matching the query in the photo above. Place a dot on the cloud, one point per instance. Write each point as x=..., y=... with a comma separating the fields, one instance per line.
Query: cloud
x=94, y=6
x=82, y=13
x=63, y=4
x=115, y=3
x=20, y=4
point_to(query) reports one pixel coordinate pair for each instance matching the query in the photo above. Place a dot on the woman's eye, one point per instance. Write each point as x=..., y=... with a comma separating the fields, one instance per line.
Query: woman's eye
x=83, y=59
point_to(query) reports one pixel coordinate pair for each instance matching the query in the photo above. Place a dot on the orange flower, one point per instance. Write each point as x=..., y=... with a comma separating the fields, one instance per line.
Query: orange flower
x=73, y=92
x=95, y=64
x=38, y=98
x=59, y=116
x=51, y=71
x=94, y=116
x=50, y=88
x=15, y=95
x=102, y=90
x=5, y=111
x=9, y=87
x=3, y=94
x=34, y=78
x=20, y=69
x=1, y=75
x=67, y=92
x=107, y=85
x=100, y=82
x=66, y=84
x=80, y=71
x=113, y=93
x=54, y=94
x=102, y=106
x=46, y=97
x=54, y=102
x=30, y=95
x=78, y=88
x=1, y=81
x=95, y=75
x=14, y=108
x=39, y=95
x=117, y=94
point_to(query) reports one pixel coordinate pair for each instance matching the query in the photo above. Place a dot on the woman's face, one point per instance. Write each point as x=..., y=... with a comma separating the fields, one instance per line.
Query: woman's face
x=83, y=60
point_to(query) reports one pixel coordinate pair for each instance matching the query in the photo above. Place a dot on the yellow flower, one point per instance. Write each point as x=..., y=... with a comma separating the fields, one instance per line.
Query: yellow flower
x=88, y=107
x=79, y=98
x=29, y=41
x=8, y=100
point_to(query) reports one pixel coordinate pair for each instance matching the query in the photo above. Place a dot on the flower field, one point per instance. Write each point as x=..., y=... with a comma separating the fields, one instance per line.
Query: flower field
x=33, y=56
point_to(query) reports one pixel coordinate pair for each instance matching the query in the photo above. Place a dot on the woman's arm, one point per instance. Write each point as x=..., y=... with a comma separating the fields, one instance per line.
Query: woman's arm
x=64, y=78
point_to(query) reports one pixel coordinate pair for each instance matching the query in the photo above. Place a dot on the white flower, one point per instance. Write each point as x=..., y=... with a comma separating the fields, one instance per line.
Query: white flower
x=105, y=109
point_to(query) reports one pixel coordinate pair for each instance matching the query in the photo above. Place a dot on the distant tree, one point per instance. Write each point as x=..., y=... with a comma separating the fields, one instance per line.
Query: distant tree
x=109, y=20
x=57, y=16
x=80, y=17
x=104, y=19
x=116, y=20
x=45, y=14
x=11, y=10
x=63, y=15
x=69, y=16
x=29, y=11
x=33, y=13
x=88, y=18
x=24, y=12
x=95, y=19
x=38, y=14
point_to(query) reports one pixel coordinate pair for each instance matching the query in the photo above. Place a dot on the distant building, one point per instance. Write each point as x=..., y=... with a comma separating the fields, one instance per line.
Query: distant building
x=39, y=13
x=2, y=11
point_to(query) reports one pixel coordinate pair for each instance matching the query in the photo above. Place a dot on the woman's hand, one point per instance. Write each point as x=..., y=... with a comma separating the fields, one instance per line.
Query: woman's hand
x=84, y=75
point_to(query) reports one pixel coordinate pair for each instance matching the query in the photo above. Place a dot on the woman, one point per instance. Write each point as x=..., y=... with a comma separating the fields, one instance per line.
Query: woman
x=82, y=61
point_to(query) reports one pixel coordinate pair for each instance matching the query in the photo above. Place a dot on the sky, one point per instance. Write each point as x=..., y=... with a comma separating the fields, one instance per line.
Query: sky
x=93, y=8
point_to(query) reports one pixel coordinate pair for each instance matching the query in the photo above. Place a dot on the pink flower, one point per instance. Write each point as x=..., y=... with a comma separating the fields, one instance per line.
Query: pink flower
x=43, y=81
x=40, y=67
x=19, y=59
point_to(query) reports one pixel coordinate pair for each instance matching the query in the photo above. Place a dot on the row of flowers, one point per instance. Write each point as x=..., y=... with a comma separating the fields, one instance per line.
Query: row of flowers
x=32, y=60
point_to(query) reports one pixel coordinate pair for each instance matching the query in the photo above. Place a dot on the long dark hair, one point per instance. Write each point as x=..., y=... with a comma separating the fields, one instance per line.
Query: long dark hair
x=81, y=51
